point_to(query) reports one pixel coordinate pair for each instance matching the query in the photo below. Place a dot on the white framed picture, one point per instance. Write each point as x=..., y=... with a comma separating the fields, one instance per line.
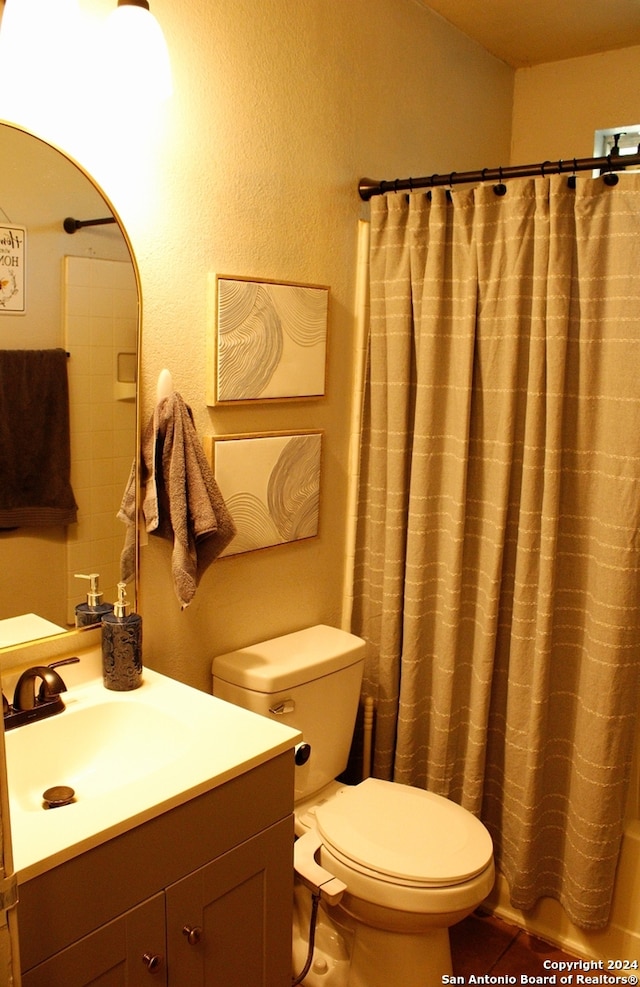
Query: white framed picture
x=270, y=483
x=269, y=341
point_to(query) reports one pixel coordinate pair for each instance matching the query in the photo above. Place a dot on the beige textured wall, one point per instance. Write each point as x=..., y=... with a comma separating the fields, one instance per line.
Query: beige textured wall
x=279, y=108
x=251, y=169
x=558, y=106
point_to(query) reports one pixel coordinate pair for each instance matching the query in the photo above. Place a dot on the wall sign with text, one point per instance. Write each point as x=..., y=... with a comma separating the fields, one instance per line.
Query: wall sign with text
x=13, y=241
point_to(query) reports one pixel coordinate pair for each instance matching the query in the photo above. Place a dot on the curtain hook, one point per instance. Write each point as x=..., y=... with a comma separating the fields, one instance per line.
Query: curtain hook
x=408, y=197
x=500, y=188
x=610, y=178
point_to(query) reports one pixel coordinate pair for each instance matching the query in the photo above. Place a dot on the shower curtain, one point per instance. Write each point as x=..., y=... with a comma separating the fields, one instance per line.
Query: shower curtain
x=497, y=557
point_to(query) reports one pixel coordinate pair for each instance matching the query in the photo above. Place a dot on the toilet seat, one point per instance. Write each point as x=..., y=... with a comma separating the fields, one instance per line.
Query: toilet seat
x=402, y=835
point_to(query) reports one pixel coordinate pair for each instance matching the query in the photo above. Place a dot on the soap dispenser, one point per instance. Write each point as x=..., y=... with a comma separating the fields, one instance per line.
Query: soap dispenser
x=94, y=609
x=122, y=646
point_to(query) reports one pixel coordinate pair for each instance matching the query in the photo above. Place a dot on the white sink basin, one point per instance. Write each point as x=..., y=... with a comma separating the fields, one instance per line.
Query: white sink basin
x=96, y=750
x=128, y=756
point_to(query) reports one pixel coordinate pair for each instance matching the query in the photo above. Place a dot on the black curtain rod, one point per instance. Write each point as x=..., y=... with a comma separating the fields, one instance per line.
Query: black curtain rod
x=368, y=187
x=71, y=225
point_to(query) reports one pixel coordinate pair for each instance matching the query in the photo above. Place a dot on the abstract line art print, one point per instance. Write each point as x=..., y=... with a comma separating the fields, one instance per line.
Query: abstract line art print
x=271, y=340
x=271, y=486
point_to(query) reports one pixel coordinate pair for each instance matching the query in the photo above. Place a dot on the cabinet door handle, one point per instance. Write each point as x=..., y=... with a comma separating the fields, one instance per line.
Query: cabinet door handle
x=193, y=934
x=153, y=961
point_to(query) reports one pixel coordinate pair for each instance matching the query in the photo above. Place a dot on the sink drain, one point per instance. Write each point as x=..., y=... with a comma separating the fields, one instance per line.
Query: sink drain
x=58, y=795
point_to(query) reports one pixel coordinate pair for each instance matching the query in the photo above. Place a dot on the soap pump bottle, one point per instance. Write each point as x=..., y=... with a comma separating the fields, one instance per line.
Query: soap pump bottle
x=94, y=609
x=122, y=646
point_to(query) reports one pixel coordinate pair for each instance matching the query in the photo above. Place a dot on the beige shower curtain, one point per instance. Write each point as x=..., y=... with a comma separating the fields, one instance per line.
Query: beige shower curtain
x=496, y=574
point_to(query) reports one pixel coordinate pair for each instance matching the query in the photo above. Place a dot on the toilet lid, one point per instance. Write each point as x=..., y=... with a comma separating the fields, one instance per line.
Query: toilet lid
x=405, y=834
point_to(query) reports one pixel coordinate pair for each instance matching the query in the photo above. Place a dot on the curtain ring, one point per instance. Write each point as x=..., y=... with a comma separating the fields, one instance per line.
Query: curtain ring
x=571, y=180
x=408, y=197
x=395, y=185
x=451, y=177
x=610, y=178
x=500, y=188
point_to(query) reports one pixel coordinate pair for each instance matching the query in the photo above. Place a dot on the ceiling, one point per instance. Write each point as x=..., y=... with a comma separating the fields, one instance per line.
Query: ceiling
x=528, y=32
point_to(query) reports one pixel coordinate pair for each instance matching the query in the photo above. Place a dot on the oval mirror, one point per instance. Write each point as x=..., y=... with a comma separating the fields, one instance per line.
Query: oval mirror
x=79, y=292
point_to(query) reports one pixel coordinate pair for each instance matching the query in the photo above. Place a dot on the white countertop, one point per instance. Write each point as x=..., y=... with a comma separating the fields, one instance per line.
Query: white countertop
x=200, y=742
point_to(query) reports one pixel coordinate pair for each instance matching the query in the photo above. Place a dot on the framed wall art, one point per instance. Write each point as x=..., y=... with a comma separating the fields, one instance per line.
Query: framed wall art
x=13, y=240
x=268, y=342
x=271, y=485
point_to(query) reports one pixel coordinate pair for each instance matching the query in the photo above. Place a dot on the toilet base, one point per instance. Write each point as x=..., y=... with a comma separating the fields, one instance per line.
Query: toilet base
x=333, y=944
x=351, y=954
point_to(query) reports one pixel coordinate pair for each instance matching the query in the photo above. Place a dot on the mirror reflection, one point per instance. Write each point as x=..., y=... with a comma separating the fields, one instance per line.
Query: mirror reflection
x=79, y=293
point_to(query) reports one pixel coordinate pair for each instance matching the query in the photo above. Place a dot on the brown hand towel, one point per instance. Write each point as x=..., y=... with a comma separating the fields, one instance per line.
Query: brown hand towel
x=35, y=447
x=182, y=501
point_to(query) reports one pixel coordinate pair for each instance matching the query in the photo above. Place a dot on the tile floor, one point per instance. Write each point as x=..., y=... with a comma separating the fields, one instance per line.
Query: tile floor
x=483, y=944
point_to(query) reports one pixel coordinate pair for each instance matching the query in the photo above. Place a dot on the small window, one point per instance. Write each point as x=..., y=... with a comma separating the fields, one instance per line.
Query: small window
x=623, y=140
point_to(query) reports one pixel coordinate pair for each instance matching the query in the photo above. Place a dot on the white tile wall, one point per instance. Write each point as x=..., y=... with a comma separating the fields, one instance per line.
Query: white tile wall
x=100, y=318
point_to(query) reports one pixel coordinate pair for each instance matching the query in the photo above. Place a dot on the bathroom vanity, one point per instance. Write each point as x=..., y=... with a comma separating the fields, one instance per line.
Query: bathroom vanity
x=176, y=874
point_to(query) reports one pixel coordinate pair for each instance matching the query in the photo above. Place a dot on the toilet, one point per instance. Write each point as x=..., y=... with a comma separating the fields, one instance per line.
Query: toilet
x=393, y=866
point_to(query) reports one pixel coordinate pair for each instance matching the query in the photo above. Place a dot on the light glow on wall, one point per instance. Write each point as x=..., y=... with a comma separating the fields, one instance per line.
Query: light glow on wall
x=77, y=77
x=39, y=42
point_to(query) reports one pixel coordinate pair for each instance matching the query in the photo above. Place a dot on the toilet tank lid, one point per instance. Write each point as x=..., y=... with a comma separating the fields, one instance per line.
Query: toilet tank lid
x=290, y=660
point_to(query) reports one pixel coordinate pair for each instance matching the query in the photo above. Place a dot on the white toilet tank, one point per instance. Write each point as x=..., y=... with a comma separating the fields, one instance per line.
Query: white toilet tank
x=309, y=680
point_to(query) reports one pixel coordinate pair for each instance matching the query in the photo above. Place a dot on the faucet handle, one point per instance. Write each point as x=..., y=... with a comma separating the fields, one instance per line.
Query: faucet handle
x=63, y=661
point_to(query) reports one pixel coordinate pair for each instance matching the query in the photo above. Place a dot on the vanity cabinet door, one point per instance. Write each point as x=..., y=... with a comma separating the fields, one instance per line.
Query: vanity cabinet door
x=128, y=952
x=229, y=923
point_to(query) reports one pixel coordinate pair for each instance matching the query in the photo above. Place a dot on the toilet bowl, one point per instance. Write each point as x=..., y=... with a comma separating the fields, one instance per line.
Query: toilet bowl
x=411, y=863
x=393, y=866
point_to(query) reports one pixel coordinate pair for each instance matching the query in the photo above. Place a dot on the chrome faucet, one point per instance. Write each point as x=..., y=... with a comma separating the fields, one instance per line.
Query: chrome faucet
x=27, y=706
